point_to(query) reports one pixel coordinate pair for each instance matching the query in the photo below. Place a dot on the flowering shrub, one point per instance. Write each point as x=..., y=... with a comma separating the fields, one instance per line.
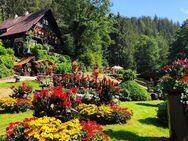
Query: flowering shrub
x=105, y=114
x=56, y=102
x=120, y=115
x=53, y=129
x=93, y=131
x=23, y=104
x=106, y=89
x=22, y=91
x=15, y=130
x=50, y=128
x=176, y=78
x=9, y=104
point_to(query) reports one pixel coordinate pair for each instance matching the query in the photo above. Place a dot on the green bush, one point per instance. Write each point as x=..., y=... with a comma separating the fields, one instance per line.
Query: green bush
x=134, y=91
x=8, y=61
x=129, y=75
x=63, y=64
x=162, y=114
x=42, y=54
x=10, y=51
x=4, y=71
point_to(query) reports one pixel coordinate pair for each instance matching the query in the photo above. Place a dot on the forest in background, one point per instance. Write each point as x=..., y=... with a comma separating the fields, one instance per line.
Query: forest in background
x=92, y=34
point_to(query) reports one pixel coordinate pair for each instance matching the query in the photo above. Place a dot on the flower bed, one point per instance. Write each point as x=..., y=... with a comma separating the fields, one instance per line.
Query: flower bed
x=19, y=101
x=57, y=102
x=22, y=91
x=50, y=128
x=105, y=114
x=106, y=89
x=9, y=104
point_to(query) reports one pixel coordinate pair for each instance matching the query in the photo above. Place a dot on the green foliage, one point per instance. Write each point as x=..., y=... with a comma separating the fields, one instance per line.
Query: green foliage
x=6, y=61
x=179, y=48
x=42, y=54
x=147, y=56
x=4, y=71
x=134, y=91
x=162, y=113
x=87, y=27
x=2, y=50
x=63, y=64
x=90, y=58
x=126, y=33
x=129, y=75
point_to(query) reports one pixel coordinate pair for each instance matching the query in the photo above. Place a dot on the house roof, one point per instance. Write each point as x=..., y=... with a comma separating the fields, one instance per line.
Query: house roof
x=22, y=23
x=25, y=60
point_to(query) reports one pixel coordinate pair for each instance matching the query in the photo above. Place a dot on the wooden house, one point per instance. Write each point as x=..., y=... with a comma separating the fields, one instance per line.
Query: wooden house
x=41, y=24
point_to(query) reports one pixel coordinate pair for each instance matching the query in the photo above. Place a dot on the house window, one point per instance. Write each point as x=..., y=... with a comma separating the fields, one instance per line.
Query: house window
x=45, y=22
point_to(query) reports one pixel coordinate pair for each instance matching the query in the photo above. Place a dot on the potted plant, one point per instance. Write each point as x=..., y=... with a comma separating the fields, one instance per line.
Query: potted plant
x=175, y=87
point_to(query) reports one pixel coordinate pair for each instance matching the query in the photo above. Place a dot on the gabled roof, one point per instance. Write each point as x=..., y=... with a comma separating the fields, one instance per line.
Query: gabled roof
x=22, y=23
x=25, y=60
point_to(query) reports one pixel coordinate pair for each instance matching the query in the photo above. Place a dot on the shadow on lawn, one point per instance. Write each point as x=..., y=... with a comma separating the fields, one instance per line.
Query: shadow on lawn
x=151, y=121
x=129, y=136
x=147, y=104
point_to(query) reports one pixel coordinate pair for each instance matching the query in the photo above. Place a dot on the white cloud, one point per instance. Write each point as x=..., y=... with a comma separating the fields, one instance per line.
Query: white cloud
x=184, y=10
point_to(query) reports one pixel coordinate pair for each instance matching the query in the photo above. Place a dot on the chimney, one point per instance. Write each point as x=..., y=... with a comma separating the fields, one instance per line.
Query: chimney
x=15, y=16
x=26, y=13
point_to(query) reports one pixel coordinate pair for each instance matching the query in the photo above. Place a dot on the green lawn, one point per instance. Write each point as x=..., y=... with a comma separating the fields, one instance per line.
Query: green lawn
x=142, y=127
x=5, y=119
x=33, y=84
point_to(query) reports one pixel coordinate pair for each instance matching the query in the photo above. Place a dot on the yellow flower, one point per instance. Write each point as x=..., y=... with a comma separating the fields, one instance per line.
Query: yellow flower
x=7, y=102
x=104, y=110
x=50, y=128
x=91, y=109
x=88, y=109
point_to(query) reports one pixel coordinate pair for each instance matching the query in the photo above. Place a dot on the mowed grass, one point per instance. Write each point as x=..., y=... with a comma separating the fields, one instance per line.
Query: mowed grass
x=33, y=84
x=142, y=127
x=5, y=119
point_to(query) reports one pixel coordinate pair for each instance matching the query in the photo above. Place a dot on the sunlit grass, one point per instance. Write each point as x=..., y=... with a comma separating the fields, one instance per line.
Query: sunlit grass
x=33, y=84
x=142, y=127
x=5, y=119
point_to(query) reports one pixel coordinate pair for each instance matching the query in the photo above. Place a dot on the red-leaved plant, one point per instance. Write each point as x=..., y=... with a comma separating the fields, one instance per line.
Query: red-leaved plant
x=105, y=88
x=57, y=102
x=22, y=91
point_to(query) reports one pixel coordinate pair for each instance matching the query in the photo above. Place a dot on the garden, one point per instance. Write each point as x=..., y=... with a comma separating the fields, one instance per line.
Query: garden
x=81, y=107
x=76, y=71
x=72, y=104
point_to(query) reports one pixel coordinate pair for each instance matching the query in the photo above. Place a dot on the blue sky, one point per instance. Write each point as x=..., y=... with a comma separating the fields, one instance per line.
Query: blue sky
x=177, y=10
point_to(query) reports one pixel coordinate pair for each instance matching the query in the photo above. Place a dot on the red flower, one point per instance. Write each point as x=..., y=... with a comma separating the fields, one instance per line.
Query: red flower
x=99, y=91
x=119, y=88
x=111, y=100
x=185, y=79
x=166, y=68
x=24, y=84
x=67, y=103
x=182, y=62
x=10, y=132
x=74, y=90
